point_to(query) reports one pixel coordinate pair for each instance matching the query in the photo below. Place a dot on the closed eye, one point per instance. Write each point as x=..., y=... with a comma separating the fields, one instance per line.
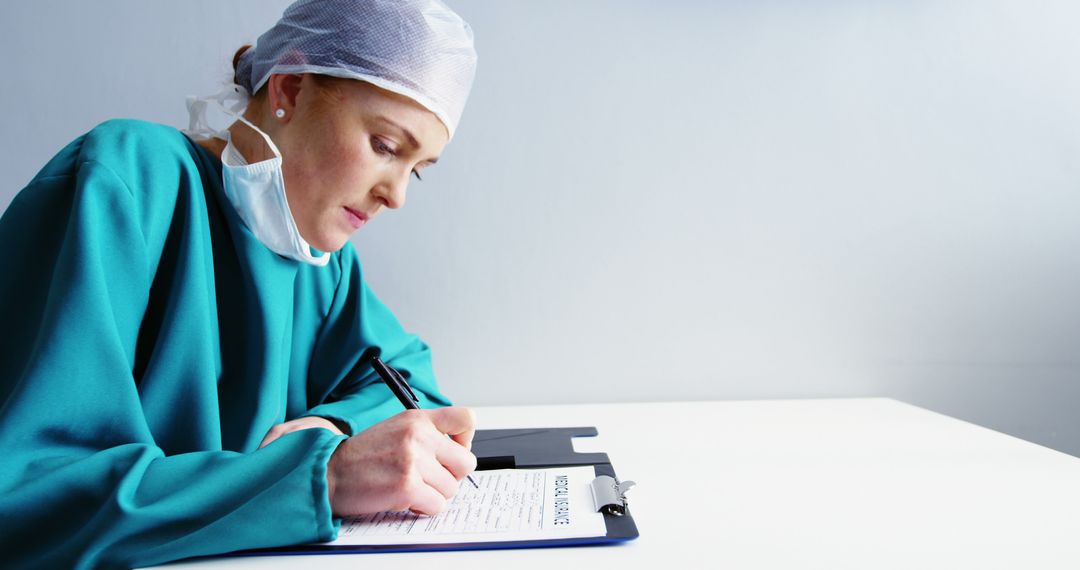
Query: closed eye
x=382, y=148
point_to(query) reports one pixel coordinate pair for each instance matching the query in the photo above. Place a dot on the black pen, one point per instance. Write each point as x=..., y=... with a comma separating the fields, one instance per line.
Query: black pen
x=397, y=384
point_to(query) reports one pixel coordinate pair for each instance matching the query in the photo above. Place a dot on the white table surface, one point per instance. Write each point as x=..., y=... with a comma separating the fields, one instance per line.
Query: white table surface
x=853, y=483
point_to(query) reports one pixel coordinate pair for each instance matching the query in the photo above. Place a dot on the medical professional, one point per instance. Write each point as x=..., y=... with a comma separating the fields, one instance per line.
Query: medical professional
x=185, y=309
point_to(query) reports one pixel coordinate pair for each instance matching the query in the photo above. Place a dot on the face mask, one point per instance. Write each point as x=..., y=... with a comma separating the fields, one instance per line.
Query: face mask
x=256, y=191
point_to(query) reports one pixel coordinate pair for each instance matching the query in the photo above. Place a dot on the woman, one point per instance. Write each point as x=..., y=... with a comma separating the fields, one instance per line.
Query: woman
x=189, y=371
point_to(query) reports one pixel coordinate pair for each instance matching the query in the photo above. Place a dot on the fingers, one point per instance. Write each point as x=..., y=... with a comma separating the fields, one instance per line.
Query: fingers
x=454, y=453
x=459, y=423
x=455, y=459
x=405, y=462
x=466, y=437
x=437, y=477
x=426, y=500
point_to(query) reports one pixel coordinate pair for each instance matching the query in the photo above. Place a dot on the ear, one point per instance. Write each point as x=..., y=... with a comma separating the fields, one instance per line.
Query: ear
x=283, y=91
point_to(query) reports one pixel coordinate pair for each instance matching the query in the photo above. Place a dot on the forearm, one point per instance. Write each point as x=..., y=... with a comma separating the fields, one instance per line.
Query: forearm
x=130, y=506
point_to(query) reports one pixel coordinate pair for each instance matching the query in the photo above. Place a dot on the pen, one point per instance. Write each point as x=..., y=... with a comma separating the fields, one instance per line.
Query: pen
x=397, y=384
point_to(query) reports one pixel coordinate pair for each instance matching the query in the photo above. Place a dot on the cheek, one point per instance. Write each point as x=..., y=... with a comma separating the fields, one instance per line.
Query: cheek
x=333, y=168
x=344, y=176
x=354, y=168
x=335, y=165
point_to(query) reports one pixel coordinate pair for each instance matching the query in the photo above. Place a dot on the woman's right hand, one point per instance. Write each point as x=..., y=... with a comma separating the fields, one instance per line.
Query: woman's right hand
x=403, y=463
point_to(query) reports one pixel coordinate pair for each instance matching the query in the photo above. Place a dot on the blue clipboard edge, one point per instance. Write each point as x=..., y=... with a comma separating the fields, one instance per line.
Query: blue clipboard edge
x=388, y=548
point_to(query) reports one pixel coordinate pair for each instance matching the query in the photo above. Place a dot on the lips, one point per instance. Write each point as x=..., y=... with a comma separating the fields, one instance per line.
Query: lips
x=356, y=218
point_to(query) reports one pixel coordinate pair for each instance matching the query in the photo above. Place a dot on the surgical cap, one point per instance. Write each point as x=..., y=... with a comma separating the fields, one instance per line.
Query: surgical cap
x=417, y=48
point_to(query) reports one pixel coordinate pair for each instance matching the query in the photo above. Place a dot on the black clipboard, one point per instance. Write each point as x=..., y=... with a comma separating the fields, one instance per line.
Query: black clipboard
x=506, y=449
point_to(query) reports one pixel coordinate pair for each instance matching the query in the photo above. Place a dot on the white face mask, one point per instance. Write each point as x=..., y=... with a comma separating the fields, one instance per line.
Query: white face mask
x=256, y=191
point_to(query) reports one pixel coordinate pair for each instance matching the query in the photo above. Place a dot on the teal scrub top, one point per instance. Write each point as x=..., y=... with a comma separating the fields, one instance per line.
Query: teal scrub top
x=151, y=341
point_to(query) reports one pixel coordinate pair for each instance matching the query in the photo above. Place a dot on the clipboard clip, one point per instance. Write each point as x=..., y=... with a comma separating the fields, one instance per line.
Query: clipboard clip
x=609, y=495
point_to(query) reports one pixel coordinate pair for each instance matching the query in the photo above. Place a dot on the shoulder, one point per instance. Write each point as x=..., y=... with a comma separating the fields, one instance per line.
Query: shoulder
x=119, y=131
x=163, y=170
x=145, y=172
x=139, y=152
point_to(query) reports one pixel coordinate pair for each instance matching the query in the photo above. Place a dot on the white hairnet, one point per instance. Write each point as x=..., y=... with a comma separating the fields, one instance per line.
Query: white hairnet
x=417, y=48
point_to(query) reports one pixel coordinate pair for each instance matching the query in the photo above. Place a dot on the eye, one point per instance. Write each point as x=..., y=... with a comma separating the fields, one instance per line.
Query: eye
x=381, y=147
x=416, y=174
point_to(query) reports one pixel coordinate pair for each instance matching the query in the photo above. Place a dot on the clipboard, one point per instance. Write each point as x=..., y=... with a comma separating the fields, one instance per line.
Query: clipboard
x=521, y=449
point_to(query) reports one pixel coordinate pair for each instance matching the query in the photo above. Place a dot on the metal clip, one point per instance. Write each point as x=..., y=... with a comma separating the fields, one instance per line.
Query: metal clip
x=609, y=495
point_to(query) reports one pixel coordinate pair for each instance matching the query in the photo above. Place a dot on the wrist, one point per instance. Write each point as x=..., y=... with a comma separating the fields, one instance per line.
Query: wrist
x=341, y=425
x=331, y=481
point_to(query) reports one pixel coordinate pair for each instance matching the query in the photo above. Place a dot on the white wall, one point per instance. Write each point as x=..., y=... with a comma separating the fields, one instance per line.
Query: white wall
x=689, y=200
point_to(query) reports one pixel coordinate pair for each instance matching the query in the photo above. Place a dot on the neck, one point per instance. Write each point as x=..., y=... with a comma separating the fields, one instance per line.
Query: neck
x=250, y=143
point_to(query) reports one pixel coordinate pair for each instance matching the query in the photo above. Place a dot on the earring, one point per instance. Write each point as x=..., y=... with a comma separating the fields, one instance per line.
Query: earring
x=280, y=113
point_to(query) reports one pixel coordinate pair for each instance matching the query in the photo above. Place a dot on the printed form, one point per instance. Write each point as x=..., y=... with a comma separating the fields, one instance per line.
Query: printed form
x=510, y=504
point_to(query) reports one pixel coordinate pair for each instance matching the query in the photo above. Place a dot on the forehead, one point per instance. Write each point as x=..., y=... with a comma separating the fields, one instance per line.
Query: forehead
x=374, y=105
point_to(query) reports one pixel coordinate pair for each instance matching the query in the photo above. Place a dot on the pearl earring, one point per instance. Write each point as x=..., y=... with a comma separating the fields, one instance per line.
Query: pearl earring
x=280, y=113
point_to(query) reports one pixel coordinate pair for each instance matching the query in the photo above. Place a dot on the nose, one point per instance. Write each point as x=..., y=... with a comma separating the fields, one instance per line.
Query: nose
x=391, y=192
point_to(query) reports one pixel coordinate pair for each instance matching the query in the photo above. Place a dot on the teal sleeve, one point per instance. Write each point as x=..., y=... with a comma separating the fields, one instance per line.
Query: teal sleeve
x=82, y=483
x=358, y=325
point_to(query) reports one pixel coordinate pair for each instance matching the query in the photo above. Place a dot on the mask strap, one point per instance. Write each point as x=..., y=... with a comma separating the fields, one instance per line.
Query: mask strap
x=265, y=137
x=232, y=101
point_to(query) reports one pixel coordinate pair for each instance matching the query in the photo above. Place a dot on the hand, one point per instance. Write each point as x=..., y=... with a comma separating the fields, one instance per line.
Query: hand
x=298, y=424
x=403, y=463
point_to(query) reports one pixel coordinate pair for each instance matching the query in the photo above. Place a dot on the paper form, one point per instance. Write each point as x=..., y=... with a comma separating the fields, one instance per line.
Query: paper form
x=510, y=504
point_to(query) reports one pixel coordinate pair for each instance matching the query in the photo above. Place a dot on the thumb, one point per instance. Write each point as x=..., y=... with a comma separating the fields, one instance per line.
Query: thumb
x=458, y=422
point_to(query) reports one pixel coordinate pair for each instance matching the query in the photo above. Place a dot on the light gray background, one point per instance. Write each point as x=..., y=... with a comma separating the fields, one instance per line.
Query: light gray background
x=687, y=200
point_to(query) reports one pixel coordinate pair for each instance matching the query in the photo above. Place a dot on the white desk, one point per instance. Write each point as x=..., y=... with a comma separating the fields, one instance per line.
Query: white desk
x=860, y=483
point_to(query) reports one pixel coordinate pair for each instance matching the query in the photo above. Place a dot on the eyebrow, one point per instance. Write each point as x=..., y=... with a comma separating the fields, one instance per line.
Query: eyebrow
x=408, y=134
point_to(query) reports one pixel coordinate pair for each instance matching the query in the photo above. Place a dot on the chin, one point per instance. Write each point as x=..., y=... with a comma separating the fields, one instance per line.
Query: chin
x=330, y=244
x=327, y=236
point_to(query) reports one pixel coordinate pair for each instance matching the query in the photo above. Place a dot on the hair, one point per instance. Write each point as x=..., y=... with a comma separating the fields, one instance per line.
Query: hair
x=236, y=59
